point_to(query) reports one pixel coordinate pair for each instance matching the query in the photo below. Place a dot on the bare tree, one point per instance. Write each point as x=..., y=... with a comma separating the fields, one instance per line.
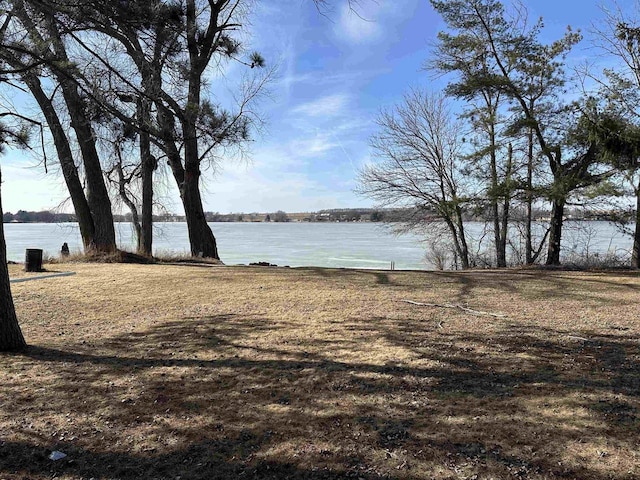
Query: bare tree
x=419, y=151
x=37, y=38
x=174, y=48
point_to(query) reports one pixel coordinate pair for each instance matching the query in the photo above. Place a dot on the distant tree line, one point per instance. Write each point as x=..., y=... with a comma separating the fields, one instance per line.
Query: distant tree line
x=393, y=215
x=45, y=216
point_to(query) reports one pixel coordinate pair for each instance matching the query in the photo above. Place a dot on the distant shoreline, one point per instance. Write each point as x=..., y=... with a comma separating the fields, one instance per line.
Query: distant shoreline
x=336, y=215
x=182, y=220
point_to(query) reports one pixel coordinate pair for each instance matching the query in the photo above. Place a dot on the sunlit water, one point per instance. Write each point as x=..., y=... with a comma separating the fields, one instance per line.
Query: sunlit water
x=349, y=245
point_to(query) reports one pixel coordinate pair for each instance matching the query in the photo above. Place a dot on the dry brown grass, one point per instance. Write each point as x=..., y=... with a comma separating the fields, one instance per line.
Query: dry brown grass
x=155, y=371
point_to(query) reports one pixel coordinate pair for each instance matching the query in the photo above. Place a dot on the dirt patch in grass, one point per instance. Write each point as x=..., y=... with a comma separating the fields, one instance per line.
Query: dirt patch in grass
x=156, y=371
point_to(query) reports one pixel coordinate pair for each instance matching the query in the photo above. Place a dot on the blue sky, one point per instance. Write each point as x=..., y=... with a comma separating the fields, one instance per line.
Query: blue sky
x=335, y=73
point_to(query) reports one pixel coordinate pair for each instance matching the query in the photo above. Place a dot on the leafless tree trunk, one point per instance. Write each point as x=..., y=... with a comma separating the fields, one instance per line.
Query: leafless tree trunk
x=11, y=338
x=47, y=44
x=65, y=157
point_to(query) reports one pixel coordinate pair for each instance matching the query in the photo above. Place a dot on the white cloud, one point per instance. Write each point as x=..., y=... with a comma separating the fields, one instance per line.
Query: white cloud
x=313, y=146
x=328, y=106
x=373, y=21
x=361, y=26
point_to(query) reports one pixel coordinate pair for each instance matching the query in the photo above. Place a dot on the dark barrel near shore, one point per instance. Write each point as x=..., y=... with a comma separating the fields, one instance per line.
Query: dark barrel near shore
x=33, y=260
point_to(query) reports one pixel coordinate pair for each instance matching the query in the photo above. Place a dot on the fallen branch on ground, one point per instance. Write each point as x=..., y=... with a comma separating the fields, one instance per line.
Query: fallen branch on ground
x=459, y=307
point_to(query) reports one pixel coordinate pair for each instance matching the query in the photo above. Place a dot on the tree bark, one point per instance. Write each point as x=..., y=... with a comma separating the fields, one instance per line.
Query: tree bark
x=63, y=150
x=506, y=206
x=97, y=198
x=529, y=194
x=501, y=260
x=455, y=223
x=203, y=243
x=464, y=249
x=65, y=157
x=11, y=338
x=555, y=235
x=201, y=238
x=104, y=239
x=122, y=184
x=145, y=244
x=635, y=253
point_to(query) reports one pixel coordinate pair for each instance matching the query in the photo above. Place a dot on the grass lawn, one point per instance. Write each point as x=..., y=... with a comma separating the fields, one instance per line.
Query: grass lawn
x=185, y=372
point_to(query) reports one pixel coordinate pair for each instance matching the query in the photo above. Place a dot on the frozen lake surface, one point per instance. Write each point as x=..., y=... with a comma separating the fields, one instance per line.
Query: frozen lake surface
x=350, y=245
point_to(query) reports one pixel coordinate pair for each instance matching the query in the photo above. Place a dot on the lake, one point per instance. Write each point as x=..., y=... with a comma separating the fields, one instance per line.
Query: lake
x=347, y=245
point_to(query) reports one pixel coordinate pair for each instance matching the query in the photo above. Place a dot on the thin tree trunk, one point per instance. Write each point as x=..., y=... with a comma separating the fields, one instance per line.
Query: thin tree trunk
x=11, y=338
x=495, y=209
x=635, y=253
x=528, y=227
x=506, y=206
x=464, y=249
x=555, y=235
x=122, y=183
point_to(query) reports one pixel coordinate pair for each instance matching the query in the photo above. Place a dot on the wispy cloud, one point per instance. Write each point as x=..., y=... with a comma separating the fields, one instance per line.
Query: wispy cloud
x=360, y=26
x=373, y=21
x=327, y=106
x=313, y=147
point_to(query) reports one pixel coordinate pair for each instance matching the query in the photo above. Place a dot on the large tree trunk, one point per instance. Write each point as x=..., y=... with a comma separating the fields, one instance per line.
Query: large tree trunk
x=104, y=239
x=65, y=157
x=145, y=245
x=11, y=338
x=201, y=238
x=555, y=236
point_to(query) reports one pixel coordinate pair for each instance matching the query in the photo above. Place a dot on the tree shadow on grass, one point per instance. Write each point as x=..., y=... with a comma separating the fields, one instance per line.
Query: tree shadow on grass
x=379, y=277
x=198, y=398
x=228, y=458
x=529, y=285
